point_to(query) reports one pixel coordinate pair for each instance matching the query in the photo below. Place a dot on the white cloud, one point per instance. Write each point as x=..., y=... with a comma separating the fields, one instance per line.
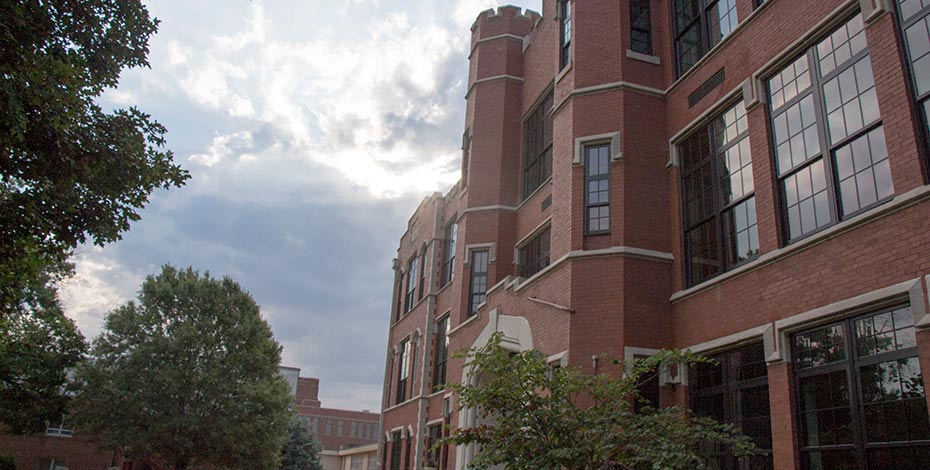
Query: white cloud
x=224, y=146
x=99, y=285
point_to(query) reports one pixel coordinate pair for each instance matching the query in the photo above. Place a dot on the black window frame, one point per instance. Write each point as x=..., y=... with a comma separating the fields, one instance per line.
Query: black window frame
x=826, y=155
x=730, y=389
x=603, y=150
x=403, y=371
x=395, y=450
x=565, y=33
x=920, y=101
x=715, y=136
x=450, y=232
x=411, y=287
x=534, y=254
x=852, y=363
x=641, y=26
x=441, y=352
x=681, y=26
x=537, y=144
x=423, y=286
x=433, y=451
x=478, y=285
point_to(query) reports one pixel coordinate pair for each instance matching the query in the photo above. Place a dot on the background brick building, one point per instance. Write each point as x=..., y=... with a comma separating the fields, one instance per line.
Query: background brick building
x=744, y=178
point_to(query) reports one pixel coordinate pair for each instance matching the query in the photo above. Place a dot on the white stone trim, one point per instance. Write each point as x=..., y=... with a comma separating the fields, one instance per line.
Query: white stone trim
x=873, y=9
x=560, y=358
x=584, y=141
x=493, y=78
x=604, y=252
x=497, y=207
x=536, y=231
x=491, y=247
x=649, y=59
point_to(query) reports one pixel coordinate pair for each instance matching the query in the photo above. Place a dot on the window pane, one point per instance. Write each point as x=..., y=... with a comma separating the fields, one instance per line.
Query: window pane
x=840, y=46
x=742, y=234
x=850, y=99
x=722, y=20
x=863, y=171
x=796, y=136
x=806, y=201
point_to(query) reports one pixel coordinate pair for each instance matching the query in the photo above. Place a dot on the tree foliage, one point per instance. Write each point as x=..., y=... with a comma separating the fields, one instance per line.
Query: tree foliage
x=38, y=344
x=187, y=375
x=69, y=171
x=301, y=452
x=533, y=416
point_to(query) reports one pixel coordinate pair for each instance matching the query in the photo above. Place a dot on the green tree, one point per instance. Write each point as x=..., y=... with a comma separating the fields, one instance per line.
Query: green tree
x=301, y=452
x=188, y=375
x=69, y=171
x=535, y=417
x=38, y=344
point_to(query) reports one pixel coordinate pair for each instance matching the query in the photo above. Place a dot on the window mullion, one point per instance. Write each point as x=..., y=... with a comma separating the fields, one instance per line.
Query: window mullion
x=854, y=385
x=826, y=151
x=718, y=198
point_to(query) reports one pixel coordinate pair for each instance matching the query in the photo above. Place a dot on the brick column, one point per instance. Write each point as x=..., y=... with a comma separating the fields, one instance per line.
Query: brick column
x=781, y=396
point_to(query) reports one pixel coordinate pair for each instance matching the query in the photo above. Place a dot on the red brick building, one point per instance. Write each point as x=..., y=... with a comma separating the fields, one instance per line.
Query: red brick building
x=744, y=178
x=335, y=429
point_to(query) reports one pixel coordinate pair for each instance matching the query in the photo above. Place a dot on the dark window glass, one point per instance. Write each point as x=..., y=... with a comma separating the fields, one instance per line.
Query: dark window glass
x=718, y=197
x=699, y=25
x=479, y=280
x=829, y=142
x=403, y=371
x=534, y=255
x=442, y=353
x=395, y=451
x=407, y=453
x=734, y=389
x=914, y=19
x=422, y=275
x=640, y=26
x=448, y=252
x=410, y=296
x=565, y=33
x=597, y=192
x=434, y=434
x=648, y=388
x=861, y=394
x=399, y=308
x=466, y=153
x=537, y=146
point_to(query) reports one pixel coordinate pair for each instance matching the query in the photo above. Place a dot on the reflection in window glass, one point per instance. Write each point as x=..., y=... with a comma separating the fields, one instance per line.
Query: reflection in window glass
x=718, y=198
x=597, y=182
x=853, y=148
x=699, y=25
x=914, y=19
x=891, y=405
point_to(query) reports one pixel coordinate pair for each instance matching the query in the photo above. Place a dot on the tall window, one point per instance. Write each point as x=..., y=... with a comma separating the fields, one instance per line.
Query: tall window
x=442, y=353
x=466, y=153
x=479, y=280
x=597, y=184
x=734, y=389
x=534, y=255
x=565, y=33
x=830, y=144
x=409, y=298
x=434, y=434
x=58, y=429
x=861, y=394
x=448, y=252
x=537, y=146
x=914, y=16
x=699, y=25
x=640, y=26
x=718, y=197
x=403, y=371
x=422, y=275
x=407, y=452
x=395, y=450
x=399, y=308
x=648, y=389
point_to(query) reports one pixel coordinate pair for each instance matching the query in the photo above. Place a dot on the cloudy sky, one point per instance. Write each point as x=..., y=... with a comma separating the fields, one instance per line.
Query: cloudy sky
x=311, y=129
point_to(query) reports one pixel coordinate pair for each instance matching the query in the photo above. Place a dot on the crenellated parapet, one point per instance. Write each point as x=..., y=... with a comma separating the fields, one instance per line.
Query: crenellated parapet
x=507, y=19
